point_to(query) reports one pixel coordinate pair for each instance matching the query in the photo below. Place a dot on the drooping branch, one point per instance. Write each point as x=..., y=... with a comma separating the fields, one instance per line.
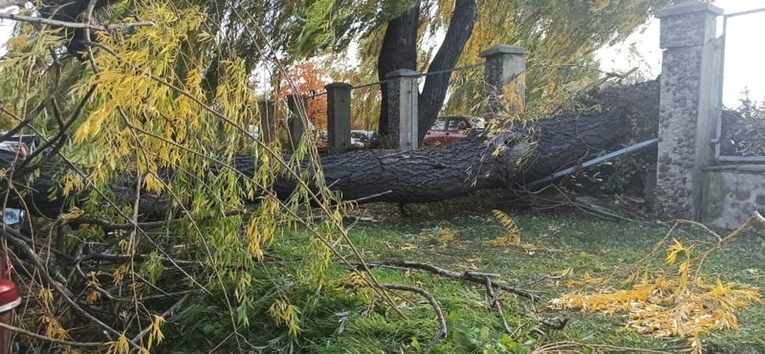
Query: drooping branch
x=73, y=25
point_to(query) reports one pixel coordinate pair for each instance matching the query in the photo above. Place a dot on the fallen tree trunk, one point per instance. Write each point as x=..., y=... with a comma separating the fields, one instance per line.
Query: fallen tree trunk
x=513, y=157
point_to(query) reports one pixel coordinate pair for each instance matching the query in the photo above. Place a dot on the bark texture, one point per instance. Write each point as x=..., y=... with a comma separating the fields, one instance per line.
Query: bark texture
x=436, y=84
x=513, y=157
x=398, y=51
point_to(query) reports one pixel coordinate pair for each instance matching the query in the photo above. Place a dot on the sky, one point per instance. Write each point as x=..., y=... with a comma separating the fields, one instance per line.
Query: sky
x=744, y=67
x=744, y=56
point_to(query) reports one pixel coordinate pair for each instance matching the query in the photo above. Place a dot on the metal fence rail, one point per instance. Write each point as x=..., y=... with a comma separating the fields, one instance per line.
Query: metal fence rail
x=718, y=154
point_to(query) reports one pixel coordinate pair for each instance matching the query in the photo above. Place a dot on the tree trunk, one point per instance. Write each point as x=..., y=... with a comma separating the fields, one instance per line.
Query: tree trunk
x=434, y=92
x=523, y=155
x=398, y=51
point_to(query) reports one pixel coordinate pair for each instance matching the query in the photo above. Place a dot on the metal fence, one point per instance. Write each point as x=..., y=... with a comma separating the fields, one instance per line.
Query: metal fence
x=740, y=138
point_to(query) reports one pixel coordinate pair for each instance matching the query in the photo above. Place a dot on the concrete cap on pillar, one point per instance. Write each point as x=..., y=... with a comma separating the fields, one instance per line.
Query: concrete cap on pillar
x=338, y=85
x=402, y=73
x=502, y=49
x=688, y=8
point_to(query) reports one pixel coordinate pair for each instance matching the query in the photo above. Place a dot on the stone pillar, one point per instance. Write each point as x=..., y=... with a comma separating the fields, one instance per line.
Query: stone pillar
x=686, y=107
x=267, y=120
x=403, y=92
x=338, y=117
x=505, y=78
x=298, y=106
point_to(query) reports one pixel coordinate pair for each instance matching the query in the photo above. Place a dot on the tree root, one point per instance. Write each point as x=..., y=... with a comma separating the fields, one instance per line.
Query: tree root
x=475, y=277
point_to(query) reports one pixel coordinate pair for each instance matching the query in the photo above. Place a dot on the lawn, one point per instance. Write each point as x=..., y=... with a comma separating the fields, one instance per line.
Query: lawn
x=568, y=245
x=557, y=250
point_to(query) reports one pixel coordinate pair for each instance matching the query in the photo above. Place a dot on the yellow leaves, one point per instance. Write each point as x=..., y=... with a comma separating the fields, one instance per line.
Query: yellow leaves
x=665, y=302
x=120, y=346
x=74, y=213
x=674, y=250
x=92, y=297
x=513, y=236
x=445, y=238
x=72, y=182
x=287, y=314
x=155, y=332
x=53, y=328
x=45, y=295
x=153, y=184
x=408, y=246
x=120, y=273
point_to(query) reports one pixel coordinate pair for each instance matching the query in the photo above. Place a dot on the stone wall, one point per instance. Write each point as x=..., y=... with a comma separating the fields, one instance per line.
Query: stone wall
x=732, y=193
x=690, y=182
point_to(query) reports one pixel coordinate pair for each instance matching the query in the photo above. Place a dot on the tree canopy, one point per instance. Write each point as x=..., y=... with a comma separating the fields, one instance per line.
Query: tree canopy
x=142, y=130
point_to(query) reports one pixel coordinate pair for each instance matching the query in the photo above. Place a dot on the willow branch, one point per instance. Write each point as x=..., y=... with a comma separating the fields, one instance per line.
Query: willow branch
x=90, y=26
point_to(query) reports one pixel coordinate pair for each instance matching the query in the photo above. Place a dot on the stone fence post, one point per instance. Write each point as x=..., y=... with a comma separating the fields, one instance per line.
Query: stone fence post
x=687, y=117
x=505, y=78
x=267, y=120
x=338, y=117
x=298, y=106
x=403, y=92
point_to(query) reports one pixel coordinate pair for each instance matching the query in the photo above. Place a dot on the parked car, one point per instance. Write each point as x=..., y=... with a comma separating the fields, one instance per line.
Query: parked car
x=18, y=146
x=361, y=138
x=14, y=148
x=478, y=123
x=448, y=129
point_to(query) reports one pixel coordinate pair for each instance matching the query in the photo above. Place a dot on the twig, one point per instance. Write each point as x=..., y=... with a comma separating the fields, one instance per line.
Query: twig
x=63, y=291
x=468, y=276
x=496, y=303
x=575, y=347
x=756, y=220
x=45, y=21
x=52, y=340
x=167, y=312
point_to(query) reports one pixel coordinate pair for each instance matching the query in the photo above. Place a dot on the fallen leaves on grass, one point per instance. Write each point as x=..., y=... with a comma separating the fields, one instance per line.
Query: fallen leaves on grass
x=672, y=300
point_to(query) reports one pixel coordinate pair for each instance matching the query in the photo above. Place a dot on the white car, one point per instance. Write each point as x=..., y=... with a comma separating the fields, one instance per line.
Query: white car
x=361, y=138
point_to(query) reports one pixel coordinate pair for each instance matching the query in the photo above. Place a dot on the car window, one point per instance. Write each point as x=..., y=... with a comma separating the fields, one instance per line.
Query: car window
x=439, y=124
x=457, y=124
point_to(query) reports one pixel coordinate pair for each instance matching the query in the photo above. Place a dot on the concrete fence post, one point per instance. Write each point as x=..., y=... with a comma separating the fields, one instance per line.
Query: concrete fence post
x=298, y=106
x=338, y=117
x=403, y=92
x=686, y=106
x=505, y=78
x=267, y=120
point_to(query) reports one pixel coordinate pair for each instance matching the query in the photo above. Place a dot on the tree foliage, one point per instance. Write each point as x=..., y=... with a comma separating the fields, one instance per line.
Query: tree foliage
x=137, y=119
x=142, y=136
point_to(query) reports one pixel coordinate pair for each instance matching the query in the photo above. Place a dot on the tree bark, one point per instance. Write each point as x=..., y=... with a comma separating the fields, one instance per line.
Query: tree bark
x=434, y=91
x=514, y=157
x=398, y=51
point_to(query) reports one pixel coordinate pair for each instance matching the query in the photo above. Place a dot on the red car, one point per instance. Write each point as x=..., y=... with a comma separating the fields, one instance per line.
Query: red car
x=448, y=129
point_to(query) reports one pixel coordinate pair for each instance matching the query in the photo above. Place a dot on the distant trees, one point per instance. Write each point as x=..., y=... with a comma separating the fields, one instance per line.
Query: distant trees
x=308, y=78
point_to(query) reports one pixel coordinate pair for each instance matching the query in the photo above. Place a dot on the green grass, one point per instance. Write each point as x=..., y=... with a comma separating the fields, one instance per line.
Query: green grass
x=357, y=321
x=570, y=240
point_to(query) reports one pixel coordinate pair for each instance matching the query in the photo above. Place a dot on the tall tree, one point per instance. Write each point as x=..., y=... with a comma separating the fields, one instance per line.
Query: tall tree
x=399, y=51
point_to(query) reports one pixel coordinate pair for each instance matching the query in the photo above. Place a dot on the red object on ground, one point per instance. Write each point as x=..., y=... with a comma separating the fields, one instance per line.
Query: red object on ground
x=9, y=299
x=9, y=295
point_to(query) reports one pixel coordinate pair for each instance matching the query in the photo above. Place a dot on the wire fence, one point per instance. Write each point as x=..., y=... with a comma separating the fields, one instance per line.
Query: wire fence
x=465, y=96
